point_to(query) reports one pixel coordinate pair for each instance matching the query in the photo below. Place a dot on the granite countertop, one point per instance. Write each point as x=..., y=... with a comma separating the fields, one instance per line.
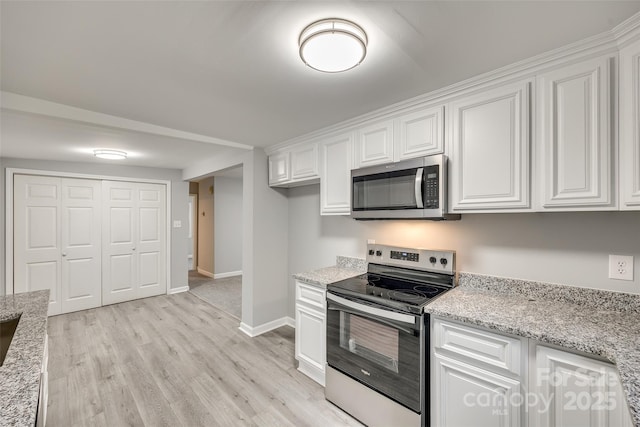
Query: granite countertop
x=20, y=372
x=593, y=321
x=345, y=267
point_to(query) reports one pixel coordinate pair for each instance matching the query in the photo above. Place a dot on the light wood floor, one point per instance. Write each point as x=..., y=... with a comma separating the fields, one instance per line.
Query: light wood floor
x=176, y=360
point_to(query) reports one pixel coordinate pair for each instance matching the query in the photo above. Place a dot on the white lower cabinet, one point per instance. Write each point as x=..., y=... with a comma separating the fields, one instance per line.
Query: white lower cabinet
x=470, y=396
x=483, y=379
x=574, y=390
x=311, y=343
x=43, y=397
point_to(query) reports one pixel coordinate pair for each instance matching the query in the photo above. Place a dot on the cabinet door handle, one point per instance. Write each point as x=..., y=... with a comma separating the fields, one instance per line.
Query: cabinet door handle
x=134, y=249
x=64, y=254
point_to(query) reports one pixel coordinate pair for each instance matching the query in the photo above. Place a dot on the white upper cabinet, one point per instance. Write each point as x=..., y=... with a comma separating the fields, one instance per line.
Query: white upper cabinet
x=374, y=144
x=304, y=162
x=279, y=168
x=335, y=174
x=573, y=135
x=630, y=126
x=295, y=166
x=420, y=133
x=489, y=150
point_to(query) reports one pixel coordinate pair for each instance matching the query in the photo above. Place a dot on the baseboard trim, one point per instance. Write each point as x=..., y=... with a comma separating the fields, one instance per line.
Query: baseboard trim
x=229, y=274
x=204, y=272
x=178, y=290
x=266, y=327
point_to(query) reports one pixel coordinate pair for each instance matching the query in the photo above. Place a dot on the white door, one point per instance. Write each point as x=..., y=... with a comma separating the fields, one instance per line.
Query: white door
x=134, y=236
x=119, y=265
x=374, y=145
x=150, y=246
x=36, y=233
x=80, y=233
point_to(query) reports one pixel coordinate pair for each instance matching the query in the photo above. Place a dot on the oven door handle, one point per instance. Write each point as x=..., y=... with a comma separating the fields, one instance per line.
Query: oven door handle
x=373, y=318
x=377, y=313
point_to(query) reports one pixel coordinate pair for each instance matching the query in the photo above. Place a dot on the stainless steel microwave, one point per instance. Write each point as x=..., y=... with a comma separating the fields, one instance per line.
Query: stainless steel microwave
x=415, y=188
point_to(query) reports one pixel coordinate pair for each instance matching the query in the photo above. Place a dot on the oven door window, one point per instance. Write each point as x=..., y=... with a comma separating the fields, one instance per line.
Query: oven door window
x=386, y=191
x=378, y=343
x=384, y=354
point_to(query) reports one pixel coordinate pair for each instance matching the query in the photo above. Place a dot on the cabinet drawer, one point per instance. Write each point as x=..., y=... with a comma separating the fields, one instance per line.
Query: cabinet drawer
x=480, y=346
x=310, y=295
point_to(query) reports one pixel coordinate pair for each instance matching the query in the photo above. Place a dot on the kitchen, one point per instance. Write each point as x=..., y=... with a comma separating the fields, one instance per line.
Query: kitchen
x=554, y=247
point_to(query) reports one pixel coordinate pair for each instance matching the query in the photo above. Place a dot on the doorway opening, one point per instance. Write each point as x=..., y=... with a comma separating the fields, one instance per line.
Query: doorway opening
x=215, y=275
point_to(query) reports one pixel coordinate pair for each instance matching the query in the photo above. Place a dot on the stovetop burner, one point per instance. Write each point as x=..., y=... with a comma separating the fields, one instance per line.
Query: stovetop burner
x=394, y=291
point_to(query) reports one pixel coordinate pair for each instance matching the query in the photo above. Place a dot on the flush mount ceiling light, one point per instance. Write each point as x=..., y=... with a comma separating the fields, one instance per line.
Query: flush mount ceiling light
x=110, y=154
x=333, y=45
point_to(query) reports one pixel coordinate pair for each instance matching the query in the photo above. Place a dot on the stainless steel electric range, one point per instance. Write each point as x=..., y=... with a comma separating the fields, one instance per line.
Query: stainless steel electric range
x=378, y=335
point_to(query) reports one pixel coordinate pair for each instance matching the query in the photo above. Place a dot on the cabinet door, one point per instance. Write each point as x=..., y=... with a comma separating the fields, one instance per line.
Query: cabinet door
x=420, y=133
x=467, y=396
x=575, y=391
x=630, y=127
x=310, y=346
x=489, y=156
x=36, y=233
x=279, y=170
x=574, y=137
x=81, y=228
x=335, y=176
x=304, y=162
x=375, y=144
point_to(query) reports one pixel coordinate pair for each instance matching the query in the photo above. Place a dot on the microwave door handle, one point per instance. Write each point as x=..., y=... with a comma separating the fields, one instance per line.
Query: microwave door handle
x=418, y=188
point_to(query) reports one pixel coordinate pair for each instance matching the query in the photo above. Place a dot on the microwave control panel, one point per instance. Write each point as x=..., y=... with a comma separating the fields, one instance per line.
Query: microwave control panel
x=431, y=187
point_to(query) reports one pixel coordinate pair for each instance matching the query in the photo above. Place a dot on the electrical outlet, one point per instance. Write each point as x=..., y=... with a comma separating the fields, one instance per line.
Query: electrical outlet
x=371, y=241
x=620, y=267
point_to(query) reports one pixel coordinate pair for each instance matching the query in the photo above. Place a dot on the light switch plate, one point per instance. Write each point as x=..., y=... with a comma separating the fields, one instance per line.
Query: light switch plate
x=177, y=223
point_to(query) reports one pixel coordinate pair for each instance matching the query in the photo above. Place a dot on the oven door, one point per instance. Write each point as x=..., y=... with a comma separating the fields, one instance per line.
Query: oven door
x=381, y=348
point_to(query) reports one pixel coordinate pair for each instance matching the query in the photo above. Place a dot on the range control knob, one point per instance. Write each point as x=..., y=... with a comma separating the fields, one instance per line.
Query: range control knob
x=371, y=252
x=432, y=260
x=378, y=253
x=443, y=261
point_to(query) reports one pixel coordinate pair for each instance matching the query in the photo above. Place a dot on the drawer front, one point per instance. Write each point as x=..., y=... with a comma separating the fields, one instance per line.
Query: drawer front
x=478, y=345
x=310, y=295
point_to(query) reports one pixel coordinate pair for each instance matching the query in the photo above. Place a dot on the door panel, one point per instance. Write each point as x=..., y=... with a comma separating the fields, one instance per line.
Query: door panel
x=134, y=265
x=149, y=265
x=149, y=225
x=122, y=273
x=36, y=237
x=119, y=263
x=151, y=247
x=81, y=244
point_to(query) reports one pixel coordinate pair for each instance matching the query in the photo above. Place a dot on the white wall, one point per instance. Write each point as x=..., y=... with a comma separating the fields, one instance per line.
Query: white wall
x=264, y=254
x=566, y=248
x=227, y=216
x=179, y=202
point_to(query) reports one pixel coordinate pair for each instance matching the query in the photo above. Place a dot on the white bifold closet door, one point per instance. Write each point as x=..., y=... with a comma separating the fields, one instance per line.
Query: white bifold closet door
x=57, y=240
x=133, y=241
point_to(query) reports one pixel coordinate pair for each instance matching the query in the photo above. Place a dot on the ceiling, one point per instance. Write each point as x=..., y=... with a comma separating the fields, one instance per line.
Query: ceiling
x=230, y=71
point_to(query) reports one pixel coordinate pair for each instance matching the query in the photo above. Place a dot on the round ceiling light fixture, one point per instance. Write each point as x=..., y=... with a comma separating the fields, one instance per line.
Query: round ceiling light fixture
x=333, y=45
x=110, y=154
